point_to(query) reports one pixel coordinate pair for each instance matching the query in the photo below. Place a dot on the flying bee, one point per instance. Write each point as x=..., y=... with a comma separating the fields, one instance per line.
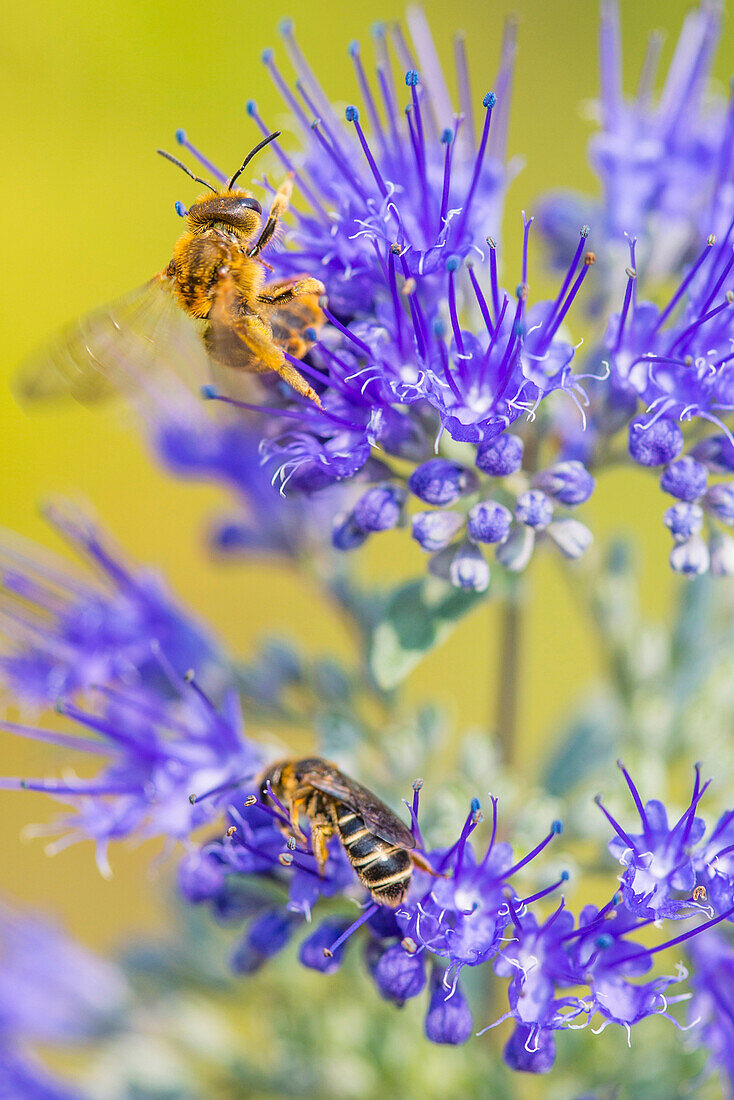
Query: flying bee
x=213, y=294
x=378, y=845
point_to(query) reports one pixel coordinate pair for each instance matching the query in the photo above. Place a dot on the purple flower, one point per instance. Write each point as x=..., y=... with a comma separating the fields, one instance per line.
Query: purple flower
x=52, y=989
x=70, y=633
x=659, y=861
x=405, y=166
x=169, y=762
x=711, y=1010
x=449, y=1018
x=658, y=157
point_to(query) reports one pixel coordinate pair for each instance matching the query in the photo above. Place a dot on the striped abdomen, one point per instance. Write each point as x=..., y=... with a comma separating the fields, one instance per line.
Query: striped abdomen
x=383, y=868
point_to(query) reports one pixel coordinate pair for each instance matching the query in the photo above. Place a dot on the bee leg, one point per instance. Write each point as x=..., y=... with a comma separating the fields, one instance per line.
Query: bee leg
x=422, y=864
x=320, y=834
x=279, y=294
x=279, y=207
x=296, y=829
x=256, y=337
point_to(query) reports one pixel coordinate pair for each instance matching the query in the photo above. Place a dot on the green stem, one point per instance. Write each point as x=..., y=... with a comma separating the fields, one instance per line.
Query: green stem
x=506, y=711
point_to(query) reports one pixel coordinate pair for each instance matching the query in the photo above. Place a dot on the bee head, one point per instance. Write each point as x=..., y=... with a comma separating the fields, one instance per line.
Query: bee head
x=237, y=210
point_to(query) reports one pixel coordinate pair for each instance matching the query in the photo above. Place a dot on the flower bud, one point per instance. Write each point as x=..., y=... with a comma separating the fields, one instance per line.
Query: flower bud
x=571, y=537
x=567, y=482
x=311, y=953
x=656, y=444
x=691, y=557
x=379, y=508
x=489, y=522
x=534, y=509
x=266, y=936
x=719, y=501
x=449, y=1019
x=716, y=453
x=501, y=456
x=683, y=520
x=721, y=549
x=398, y=975
x=517, y=549
x=347, y=534
x=440, y=482
x=685, y=479
x=200, y=876
x=530, y=1053
x=434, y=530
x=468, y=569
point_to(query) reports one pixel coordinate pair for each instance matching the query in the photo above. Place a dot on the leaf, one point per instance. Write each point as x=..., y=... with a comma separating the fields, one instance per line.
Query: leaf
x=417, y=617
x=590, y=742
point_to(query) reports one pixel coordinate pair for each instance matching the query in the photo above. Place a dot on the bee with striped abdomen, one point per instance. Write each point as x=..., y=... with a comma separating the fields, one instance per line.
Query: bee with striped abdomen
x=378, y=844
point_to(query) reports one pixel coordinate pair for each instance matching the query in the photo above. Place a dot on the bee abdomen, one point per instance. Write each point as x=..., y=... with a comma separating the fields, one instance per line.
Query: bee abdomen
x=383, y=868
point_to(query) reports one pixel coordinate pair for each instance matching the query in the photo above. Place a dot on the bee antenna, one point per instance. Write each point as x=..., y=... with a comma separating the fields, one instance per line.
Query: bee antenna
x=182, y=166
x=265, y=141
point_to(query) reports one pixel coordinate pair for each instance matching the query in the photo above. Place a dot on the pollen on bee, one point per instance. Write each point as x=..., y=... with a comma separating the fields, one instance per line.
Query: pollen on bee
x=699, y=893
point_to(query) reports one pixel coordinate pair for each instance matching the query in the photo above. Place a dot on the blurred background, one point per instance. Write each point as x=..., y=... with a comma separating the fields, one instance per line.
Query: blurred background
x=91, y=91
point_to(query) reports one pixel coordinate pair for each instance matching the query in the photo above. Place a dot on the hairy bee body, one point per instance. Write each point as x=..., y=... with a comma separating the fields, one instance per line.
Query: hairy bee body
x=217, y=278
x=377, y=843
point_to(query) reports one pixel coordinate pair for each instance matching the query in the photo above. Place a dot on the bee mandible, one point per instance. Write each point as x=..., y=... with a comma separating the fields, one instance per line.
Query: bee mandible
x=380, y=847
x=216, y=278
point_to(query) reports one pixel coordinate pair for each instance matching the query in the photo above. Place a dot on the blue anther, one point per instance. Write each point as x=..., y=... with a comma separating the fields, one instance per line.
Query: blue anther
x=447, y=137
x=180, y=209
x=267, y=55
x=489, y=100
x=209, y=392
x=557, y=827
x=411, y=78
x=452, y=263
x=181, y=137
x=251, y=107
x=351, y=114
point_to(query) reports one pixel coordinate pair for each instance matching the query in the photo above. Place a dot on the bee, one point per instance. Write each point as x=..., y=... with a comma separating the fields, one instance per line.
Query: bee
x=212, y=293
x=379, y=846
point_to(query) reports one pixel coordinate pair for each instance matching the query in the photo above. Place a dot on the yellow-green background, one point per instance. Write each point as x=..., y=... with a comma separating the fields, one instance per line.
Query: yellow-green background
x=89, y=91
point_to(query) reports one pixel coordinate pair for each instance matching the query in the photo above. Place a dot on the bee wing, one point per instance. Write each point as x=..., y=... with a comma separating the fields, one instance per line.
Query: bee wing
x=113, y=349
x=291, y=321
x=377, y=816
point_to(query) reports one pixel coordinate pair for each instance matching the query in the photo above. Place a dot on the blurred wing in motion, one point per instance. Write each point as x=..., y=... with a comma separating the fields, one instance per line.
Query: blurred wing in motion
x=115, y=349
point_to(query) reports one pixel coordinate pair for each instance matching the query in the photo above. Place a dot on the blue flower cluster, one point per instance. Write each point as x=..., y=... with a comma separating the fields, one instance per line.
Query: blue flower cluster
x=427, y=360
x=175, y=757
x=564, y=971
x=146, y=717
x=54, y=993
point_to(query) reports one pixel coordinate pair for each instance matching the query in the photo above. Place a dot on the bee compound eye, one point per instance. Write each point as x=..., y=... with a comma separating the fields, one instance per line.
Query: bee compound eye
x=253, y=204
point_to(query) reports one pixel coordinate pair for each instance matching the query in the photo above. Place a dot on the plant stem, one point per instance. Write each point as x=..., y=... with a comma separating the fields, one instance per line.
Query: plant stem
x=509, y=676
